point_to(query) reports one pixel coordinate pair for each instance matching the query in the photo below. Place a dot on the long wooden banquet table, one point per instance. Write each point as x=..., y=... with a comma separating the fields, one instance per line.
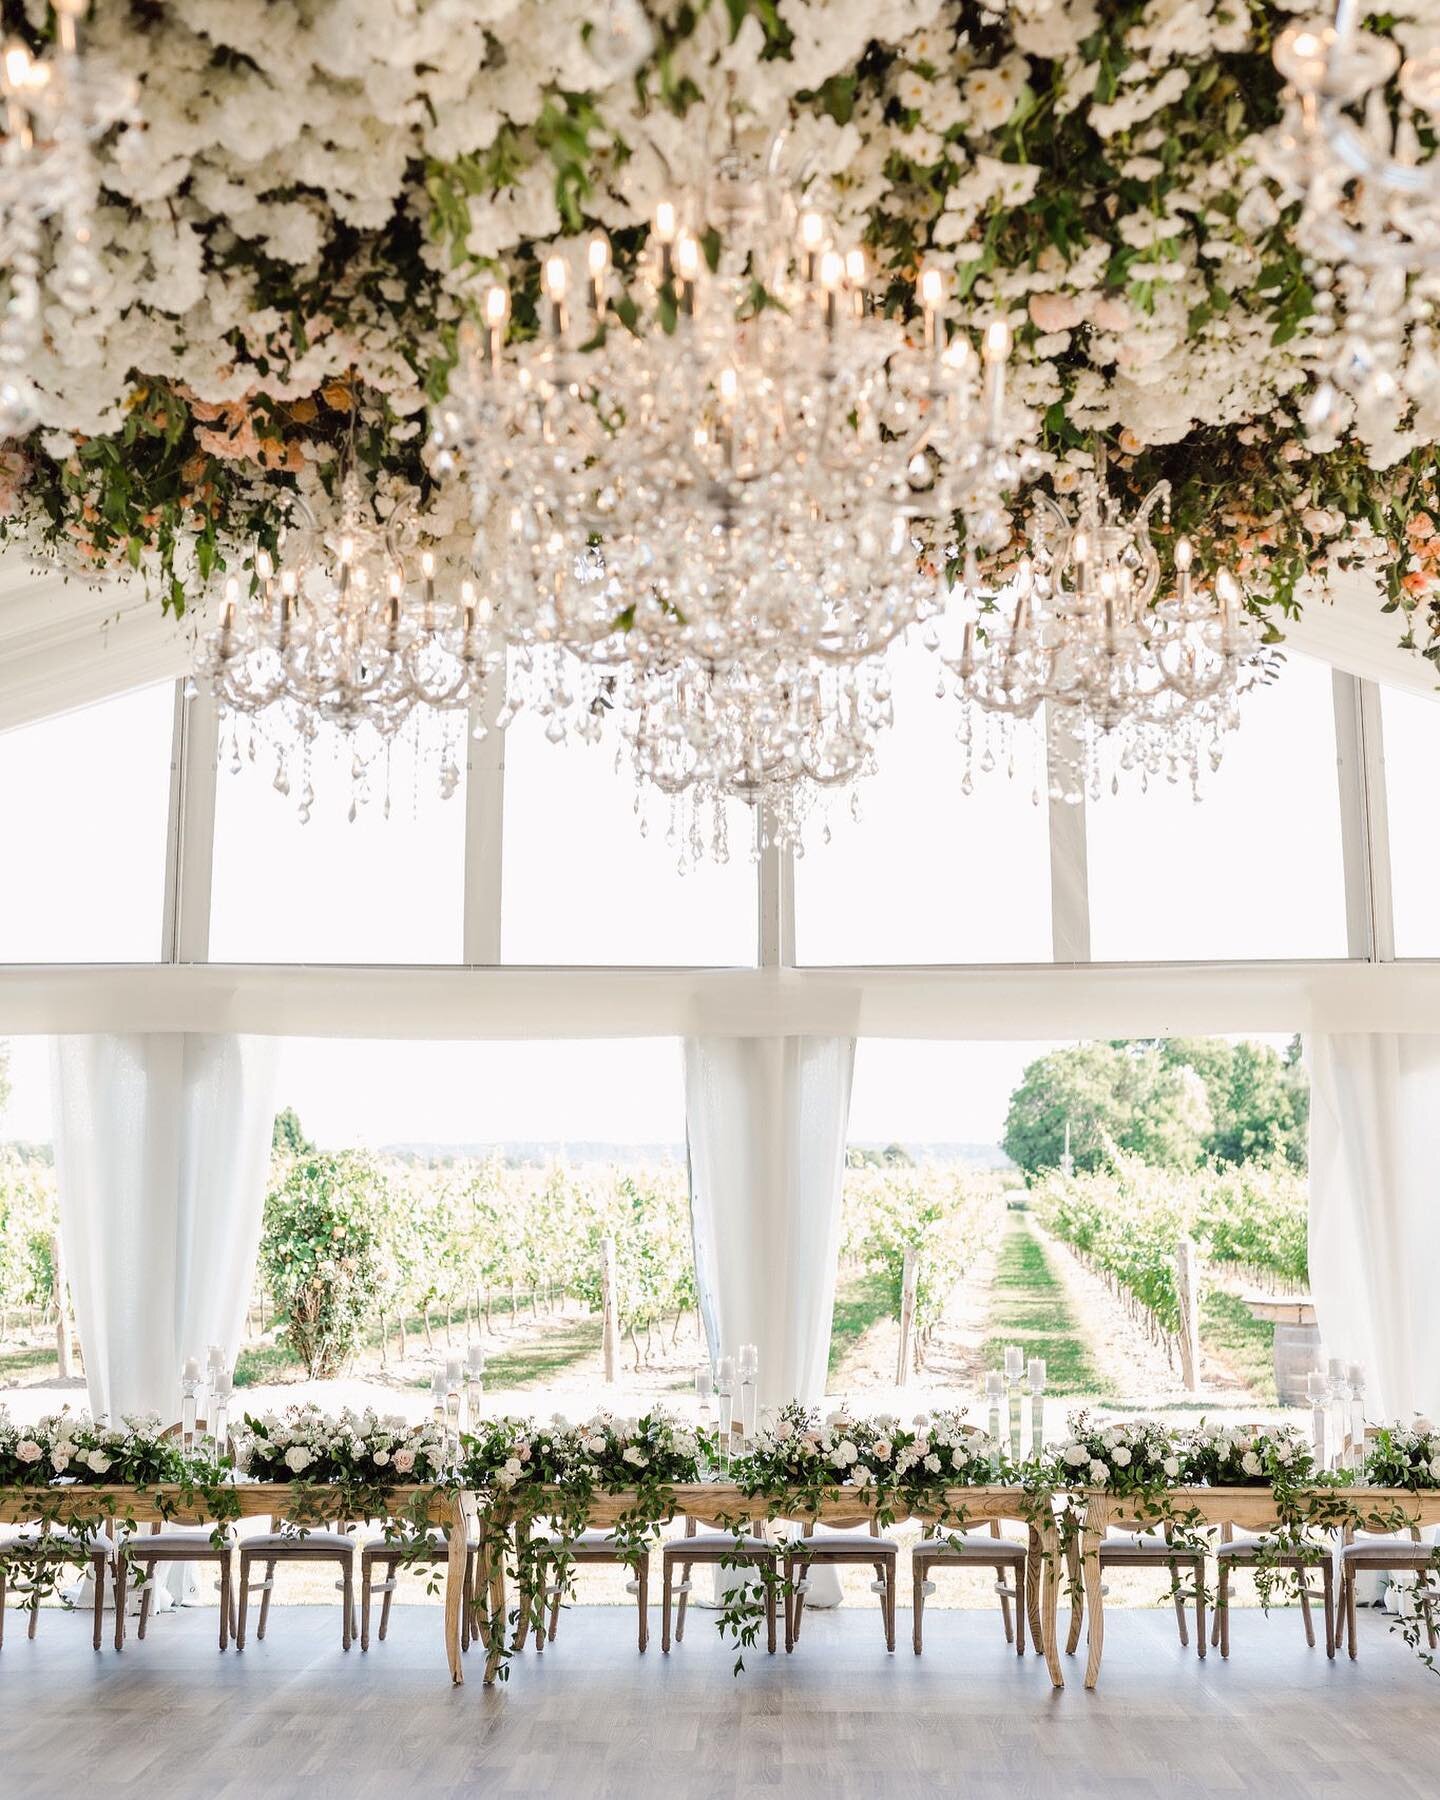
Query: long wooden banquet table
x=305, y=1506
x=1249, y=1508
x=718, y=1503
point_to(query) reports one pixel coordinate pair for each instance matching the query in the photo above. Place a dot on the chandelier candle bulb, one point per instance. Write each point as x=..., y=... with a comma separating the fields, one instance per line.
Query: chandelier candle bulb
x=857, y=275
x=932, y=297
x=597, y=266
x=832, y=273
x=687, y=267
x=555, y=281
x=664, y=234
x=997, y=351
x=812, y=236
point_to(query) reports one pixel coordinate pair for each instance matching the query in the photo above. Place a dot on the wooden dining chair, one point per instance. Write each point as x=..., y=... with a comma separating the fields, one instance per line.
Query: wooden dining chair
x=1138, y=1547
x=962, y=1549
x=589, y=1547
x=164, y=1544
x=388, y=1555
x=278, y=1546
x=1385, y=1553
x=713, y=1546
x=844, y=1545
x=26, y=1555
x=1247, y=1551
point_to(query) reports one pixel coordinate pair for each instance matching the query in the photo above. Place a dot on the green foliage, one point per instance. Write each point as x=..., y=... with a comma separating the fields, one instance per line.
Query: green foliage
x=1128, y=1219
x=321, y=1253
x=4, y=1076
x=29, y=1219
x=945, y=1217
x=288, y=1137
x=1172, y=1102
x=1029, y=1307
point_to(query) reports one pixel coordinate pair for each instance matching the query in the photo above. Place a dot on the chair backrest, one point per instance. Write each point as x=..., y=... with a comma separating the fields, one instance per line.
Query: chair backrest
x=845, y=1524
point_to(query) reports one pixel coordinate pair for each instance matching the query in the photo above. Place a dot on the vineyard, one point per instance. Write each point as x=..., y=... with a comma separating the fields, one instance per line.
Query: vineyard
x=1248, y=1223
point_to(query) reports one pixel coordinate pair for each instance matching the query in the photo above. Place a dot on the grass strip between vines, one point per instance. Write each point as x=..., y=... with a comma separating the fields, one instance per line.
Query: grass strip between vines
x=1029, y=1307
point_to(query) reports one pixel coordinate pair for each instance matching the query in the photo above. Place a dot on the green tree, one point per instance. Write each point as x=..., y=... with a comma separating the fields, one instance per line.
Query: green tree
x=288, y=1137
x=320, y=1253
x=1259, y=1099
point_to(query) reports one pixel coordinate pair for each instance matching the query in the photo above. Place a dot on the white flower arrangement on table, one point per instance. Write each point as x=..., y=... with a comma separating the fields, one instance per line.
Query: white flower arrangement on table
x=1247, y=1456
x=605, y=1453
x=876, y=1456
x=1134, y=1456
x=306, y=1444
x=77, y=1450
x=1405, y=1456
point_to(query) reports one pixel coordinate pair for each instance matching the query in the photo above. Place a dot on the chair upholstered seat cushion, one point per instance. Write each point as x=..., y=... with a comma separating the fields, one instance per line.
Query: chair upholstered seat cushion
x=329, y=1542
x=1246, y=1547
x=973, y=1545
x=716, y=1543
x=1142, y=1543
x=1388, y=1551
x=177, y=1540
x=847, y=1543
x=29, y=1537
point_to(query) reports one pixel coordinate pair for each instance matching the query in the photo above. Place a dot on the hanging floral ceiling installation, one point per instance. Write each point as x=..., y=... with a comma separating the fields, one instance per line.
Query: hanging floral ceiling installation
x=314, y=195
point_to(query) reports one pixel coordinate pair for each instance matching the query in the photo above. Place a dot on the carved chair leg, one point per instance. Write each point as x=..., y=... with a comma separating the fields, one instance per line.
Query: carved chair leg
x=1004, y=1606
x=97, y=1577
x=1034, y=1566
x=890, y=1605
x=917, y=1607
x=347, y=1599
x=642, y=1602
x=667, y=1584
x=685, y=1569
x=1020, y=1612
x=770, y=1612
x=555, y=1599
x=1427, y=1608
x=1077, y=1608
x=1327, y=1588
x=2, y=1605
x=392, y=1576
x=1347, y=1589
x=122, y=1577
x=1200, y=1639
x=367, y=1578
x=798, y=1607
x=1179, y=1599
x=1305, y=1618
x=265, y=1603
x=1221, y=1633
x=226, y=1598
x=244, y=1600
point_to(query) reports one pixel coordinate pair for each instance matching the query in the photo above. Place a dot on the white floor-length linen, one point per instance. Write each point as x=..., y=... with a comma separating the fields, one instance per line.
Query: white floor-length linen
x=162, y=1146
x=766, y=1119
x=1375, y=1212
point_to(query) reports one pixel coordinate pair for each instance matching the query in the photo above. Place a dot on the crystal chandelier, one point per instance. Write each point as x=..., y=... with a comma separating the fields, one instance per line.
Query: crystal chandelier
x=729, y=494
x=350, y=630
x=54, y=107
x=1356, y=146
x=1134, y=683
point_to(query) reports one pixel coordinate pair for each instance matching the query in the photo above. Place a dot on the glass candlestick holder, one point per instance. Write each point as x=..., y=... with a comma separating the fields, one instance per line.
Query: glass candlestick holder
x=1037, y=1404
x=1356, y=1376
x=1317, y=1386
x=725, y=1406
x=994, y=1394
x=190, y=1385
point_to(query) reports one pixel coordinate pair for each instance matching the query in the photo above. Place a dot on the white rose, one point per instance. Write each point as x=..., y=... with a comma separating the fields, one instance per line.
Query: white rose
x=382, y=1458
x=1075, y=1454
x=1171, y=1466
x=404, y=1461
x=28, y=1451
x=1120, y=1457
x=784, y=1431
x=98, y=1462
x=1099, y=1474
x=298, y=1459
x=932, y=1463
x=595, y=1445
x=1251, y=1463
x=636, y=1457
x=60, y=1461
x=514, y=1467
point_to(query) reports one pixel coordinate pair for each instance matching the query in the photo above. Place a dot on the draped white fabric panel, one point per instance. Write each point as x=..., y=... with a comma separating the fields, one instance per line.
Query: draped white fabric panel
x=162, y=1144
x=766, y=1119
x=1375, y=1211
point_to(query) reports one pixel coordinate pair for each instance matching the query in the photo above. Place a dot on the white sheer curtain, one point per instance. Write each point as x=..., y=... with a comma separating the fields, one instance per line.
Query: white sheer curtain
x=766, y=1119
x=162, y=1143
x=1375, y=1211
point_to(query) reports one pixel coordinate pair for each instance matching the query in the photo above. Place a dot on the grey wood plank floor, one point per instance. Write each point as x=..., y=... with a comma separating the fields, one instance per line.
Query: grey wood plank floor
x=173, y=1718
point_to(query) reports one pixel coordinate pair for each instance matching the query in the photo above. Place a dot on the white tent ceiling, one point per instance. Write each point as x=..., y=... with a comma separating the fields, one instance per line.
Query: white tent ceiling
x=65, y=643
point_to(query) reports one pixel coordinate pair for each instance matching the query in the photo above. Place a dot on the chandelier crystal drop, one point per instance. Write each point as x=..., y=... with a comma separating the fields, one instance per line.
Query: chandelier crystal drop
x=725, y=494
x=1355, y=146
x=54, y=107
x=1128, y=683
x=350, y=630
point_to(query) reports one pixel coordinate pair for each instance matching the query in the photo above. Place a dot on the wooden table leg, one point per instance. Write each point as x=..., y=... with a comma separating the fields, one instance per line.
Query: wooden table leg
x=1093, y=1534
x=455, y=1589
x=1049, y=1539
x=1032, y=1592
x=495, y=1634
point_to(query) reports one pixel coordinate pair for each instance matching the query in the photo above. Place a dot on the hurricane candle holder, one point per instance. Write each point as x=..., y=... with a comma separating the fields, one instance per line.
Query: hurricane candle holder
x=1356, y=1374
x=474, y=1384
x=1037, y=1405
x=221, y=1386
x=704, y=1393
x=189, y=1399
x=1014, y=1369
x=1318, y=1388
x=725, y=1404
x=1339, y=1429
x=747, y=1368
x=994, y=1391
x=439, y=1389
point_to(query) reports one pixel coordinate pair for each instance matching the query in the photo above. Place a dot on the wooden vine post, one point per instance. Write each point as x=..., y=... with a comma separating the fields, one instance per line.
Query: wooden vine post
x=1187, y=1292
x=909, y=1280
x=62, y=1309
x=609, y=1309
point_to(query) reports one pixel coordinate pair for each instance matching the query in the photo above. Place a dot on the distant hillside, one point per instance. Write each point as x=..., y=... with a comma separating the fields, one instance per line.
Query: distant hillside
x=970, y=1156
